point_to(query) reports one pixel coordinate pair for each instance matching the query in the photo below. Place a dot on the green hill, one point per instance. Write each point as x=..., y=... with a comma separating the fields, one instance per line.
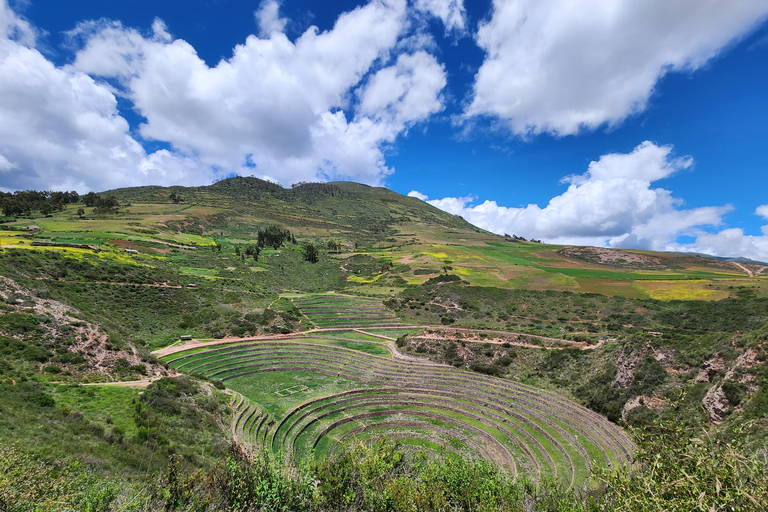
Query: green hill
x=326, y=317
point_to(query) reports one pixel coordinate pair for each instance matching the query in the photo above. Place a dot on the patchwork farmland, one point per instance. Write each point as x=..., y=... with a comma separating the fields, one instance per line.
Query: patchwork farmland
x=309, y=395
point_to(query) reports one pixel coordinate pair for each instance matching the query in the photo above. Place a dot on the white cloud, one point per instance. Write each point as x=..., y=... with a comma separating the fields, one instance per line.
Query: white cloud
x=268, y=18
x=730, y=242
x=6, y=165
x=405, y=92
x=612, y=204
x=451, y=12
x=560, y=66
x=315, y=108
x=418, y=195
x=60, y=129
x=285, y=106
x=14, y=28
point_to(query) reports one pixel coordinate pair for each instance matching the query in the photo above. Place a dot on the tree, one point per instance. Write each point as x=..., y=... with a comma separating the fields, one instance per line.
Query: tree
x=90, y=199
x=12, y=207
x=310, y=253
x=333, y=246
x=106, y=205
x=80, y=212
x=274, y=236
x=253, y=250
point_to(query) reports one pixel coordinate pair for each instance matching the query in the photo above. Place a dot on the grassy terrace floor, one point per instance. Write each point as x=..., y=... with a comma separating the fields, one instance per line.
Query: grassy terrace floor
x=333, y=310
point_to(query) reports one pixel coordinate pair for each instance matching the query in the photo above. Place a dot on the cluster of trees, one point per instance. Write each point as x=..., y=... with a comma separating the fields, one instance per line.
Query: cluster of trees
x=24, y=202
x=250, y=250
x=311, y=190
x=522, y=239
x=102, y=205
x=106, y=205
x=311, y=254
x=274, y=236
x=333, y=246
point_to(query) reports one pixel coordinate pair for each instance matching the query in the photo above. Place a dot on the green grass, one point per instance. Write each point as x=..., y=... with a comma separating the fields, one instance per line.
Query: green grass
x=368, y=348
x=262, y=388
x=200, y=272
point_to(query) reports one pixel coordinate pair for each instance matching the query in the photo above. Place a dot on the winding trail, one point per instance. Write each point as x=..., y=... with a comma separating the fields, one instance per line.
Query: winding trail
x=176, y=347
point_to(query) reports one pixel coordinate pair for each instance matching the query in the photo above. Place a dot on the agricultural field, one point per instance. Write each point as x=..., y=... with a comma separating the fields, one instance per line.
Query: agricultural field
x=299, y=398
x=386, y=242
x=341, y=311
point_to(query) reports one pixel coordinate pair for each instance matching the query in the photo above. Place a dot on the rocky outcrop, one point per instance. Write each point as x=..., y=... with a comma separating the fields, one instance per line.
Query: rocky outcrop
x=65, y=328
x=652, y=402
x=710, y=369
x=716, y=404
x=626, y=365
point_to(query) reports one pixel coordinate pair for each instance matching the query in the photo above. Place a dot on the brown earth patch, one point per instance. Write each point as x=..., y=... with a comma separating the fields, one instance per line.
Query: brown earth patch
x=127, y=244
x=614, y=257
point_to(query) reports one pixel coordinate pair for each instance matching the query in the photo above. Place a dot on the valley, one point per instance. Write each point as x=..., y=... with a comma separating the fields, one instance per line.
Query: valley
x=191, y=327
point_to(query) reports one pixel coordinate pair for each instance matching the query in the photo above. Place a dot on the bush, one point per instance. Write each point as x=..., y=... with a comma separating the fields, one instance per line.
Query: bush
x=44, y=400
x=488, y=369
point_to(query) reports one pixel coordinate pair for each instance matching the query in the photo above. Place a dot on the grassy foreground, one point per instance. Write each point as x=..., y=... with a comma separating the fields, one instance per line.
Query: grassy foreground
x=674, y=471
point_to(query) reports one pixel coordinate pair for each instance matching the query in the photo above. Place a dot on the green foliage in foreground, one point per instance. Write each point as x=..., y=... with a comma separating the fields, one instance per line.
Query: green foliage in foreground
x=674, y=471
x=679, y=472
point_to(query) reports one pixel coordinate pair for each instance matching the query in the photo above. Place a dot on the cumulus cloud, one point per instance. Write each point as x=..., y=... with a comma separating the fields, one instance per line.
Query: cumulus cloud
x=325, y=106
x=268, y=18
x=612, y=204
x=287, y=107
x=733, y=242
x=451, y=12
x=60, y=129
x=560, y=66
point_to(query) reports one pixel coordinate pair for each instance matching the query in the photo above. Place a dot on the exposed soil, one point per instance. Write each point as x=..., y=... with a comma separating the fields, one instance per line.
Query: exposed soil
x=614, y=257
x=133, y=245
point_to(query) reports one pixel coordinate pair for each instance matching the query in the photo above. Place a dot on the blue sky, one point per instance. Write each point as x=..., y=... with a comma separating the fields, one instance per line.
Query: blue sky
x=637, y=124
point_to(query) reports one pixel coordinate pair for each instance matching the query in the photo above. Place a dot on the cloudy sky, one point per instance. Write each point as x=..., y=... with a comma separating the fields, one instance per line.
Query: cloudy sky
x=623, y=124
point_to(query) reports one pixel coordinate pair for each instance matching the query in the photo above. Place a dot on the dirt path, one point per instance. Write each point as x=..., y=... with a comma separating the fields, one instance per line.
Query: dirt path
x=396, y=354
x=128, y=383
x=151, y=285
x=745, y=269
x=176, y=347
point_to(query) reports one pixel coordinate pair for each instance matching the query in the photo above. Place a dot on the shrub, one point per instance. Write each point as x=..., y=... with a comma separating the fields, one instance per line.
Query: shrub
x=44, y=400
x=488, y=369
